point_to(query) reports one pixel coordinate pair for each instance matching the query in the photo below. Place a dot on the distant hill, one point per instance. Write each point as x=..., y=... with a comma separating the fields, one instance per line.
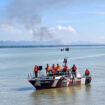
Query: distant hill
x=35, y=43
x=24, y=43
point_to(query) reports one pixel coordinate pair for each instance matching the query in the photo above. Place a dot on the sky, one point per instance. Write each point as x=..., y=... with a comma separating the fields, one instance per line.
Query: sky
x=58, y=21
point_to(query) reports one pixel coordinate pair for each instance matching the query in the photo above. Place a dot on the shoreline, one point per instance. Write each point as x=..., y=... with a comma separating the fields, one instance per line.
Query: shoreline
x=33, y=46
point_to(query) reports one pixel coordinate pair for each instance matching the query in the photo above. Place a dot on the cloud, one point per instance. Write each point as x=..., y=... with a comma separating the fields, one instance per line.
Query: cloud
x=68, y=28
x=9, y=28
x=28, y=14
x=13, y=33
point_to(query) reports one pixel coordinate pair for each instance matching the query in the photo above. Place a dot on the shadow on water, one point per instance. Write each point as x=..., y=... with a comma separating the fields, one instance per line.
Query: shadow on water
x=23, y=89
x=60, y=96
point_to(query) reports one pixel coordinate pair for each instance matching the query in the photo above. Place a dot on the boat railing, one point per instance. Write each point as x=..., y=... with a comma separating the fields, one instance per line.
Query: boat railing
x=43, y=75
x=32, y=75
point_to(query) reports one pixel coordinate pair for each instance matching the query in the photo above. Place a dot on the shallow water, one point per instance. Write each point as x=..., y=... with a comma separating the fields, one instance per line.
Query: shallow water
x=16, y=63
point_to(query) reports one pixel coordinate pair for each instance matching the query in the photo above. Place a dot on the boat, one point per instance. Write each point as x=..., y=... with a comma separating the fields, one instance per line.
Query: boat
x=67, y=49
x=59, y=80
x=64, y=49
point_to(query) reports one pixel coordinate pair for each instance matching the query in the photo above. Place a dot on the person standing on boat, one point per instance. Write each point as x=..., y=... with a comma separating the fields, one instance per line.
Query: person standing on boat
x=65, y=69
x=65, y=61
x=36, y=71
x=47, y=69
x=74, y=68
x=87, y=72
x=53, y=69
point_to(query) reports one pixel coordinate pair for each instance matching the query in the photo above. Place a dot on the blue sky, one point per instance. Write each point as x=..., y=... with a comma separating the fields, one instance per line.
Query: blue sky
x=65, y=22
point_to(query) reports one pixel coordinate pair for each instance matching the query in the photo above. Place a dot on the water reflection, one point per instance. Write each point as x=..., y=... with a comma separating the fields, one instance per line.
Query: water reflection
x=60, y=96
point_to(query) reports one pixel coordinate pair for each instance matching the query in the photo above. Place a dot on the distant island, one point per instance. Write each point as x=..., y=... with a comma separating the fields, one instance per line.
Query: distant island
x=35, y=43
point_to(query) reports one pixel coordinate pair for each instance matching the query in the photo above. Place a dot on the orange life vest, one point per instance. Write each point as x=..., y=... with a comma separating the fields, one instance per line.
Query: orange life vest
x=36, y=68
x=53, y=69
x=47, y=68
x=74, y=68
x=65, y=68
x=87, y=72
x=58, y=67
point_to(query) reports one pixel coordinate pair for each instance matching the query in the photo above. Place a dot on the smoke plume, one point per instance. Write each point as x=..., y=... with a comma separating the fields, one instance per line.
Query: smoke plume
x=43, y=34
x=28, y=14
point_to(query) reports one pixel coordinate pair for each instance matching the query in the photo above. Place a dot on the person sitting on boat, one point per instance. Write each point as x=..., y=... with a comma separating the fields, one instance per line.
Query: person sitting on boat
x=47, y=68
x=53, y=69
x=74, y=68
x=58, y=67
x=36, y=71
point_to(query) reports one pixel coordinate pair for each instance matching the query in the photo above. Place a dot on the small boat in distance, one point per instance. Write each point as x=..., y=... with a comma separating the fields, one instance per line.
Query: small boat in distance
x=59, y=80
x=64, y=49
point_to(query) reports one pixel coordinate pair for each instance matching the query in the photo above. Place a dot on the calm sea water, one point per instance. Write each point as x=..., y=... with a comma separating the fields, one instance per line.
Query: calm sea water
x=16, y=63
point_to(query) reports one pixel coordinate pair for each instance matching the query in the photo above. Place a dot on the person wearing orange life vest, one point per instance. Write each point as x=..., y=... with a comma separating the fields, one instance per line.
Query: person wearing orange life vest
x=58, y=68
x=47, y=68
x=36, y=71
x=87, y=72
x=74, y=68
x=65, y=69
x=53, y=69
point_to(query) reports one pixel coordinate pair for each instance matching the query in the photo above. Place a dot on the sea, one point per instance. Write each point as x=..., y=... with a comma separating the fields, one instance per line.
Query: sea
x=17, y=63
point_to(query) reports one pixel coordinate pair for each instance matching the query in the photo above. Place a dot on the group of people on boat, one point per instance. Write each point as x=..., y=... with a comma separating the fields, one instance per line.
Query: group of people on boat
x=57, y=69
x=54, y=68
